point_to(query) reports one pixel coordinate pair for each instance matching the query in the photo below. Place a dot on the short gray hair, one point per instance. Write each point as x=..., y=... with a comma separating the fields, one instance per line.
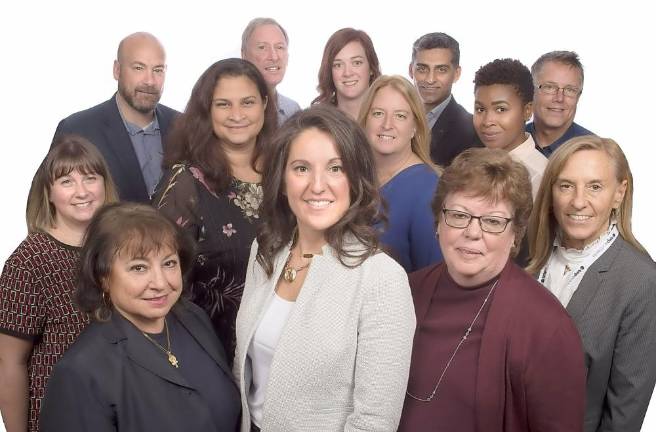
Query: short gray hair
x=569, y=58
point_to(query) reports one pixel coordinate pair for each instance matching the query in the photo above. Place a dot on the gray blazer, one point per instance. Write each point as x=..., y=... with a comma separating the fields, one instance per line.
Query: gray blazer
x=343, y=358
x=614, y=309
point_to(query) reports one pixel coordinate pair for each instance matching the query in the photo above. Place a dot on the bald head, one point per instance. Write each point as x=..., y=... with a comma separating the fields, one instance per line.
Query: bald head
x=139, y=40
x=140, y=69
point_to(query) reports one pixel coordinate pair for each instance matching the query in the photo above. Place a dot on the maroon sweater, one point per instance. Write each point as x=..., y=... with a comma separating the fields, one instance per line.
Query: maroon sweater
x=529, y=374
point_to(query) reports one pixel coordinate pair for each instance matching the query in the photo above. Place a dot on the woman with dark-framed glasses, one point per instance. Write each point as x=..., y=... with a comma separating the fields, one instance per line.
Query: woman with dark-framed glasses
x=493, y=350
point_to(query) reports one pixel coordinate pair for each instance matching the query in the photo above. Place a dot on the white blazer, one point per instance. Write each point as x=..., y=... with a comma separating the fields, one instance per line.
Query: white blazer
x=343, y=358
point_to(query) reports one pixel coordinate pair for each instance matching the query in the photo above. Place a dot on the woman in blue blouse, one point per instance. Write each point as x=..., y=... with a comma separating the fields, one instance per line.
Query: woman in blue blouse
x=394, y=119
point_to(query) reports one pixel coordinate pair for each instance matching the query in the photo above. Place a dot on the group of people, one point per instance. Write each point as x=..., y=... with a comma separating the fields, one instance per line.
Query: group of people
x=382, y=260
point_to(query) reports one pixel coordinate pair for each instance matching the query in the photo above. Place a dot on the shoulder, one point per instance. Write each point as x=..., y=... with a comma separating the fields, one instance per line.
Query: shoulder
x=38, y=244
x=91, y=114
x=625, y=264
x=412, y=183
x=579, y=130
x=381, y=272
x=166, y=112
x=91, y=348
x=458, y=110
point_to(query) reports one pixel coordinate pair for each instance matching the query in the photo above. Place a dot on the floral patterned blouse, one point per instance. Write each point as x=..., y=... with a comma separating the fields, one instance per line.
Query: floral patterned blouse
x=224, y=226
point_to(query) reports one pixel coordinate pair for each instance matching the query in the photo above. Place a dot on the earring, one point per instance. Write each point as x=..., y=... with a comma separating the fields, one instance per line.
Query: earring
x=107, y=301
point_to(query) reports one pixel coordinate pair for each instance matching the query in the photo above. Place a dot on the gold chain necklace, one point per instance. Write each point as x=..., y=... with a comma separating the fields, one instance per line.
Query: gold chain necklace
x=290, y=272
x=172, y=359
x=448, y=363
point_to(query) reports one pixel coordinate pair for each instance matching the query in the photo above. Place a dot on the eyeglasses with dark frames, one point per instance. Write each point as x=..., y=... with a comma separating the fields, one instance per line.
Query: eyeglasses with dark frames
x=552, y=89
x=489, y=224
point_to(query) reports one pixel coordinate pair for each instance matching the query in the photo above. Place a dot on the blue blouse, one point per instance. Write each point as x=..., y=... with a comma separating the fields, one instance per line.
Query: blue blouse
x=410, y=234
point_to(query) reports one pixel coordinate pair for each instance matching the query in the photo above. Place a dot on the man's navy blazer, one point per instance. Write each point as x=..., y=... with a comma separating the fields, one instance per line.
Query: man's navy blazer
x=452, y=133
x=104, y=127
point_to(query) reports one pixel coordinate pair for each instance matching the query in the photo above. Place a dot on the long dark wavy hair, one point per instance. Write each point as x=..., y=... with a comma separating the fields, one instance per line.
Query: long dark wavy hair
x=192, y=138
x=278, y=220
x=337, y=41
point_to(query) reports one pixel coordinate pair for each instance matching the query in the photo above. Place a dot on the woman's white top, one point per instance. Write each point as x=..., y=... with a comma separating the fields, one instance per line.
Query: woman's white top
x=261, y=350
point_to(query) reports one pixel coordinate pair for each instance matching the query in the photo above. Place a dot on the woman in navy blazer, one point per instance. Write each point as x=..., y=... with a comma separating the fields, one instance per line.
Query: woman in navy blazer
x=583, y=250
x=149, y=361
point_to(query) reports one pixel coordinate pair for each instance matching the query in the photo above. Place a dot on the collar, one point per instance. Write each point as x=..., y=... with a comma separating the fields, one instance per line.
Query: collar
x=150, y=129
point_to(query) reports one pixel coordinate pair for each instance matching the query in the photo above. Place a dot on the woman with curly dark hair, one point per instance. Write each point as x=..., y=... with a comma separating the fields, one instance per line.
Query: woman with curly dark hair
x=212, y=186
x=319, y=295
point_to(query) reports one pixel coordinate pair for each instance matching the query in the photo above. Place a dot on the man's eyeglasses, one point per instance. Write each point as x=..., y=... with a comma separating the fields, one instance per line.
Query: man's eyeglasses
x=461, y=220
x=552, y=89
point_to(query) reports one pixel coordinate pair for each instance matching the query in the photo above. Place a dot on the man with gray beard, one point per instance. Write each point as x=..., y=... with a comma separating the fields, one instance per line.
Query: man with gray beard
x=131, y=127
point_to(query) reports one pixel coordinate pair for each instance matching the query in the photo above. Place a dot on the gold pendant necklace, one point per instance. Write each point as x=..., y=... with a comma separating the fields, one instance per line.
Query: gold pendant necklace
x=290, y=272
x=171, y=357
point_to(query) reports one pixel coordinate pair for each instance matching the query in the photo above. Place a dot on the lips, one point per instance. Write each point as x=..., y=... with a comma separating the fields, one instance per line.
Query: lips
x=469, y=253
x=319, y=204
x=351, y=83
x=158, y=301
x=385, y=137
x=579, y=218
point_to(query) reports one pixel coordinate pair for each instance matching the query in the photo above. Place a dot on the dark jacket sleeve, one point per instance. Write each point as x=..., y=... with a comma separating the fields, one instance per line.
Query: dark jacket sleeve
x=70, y=392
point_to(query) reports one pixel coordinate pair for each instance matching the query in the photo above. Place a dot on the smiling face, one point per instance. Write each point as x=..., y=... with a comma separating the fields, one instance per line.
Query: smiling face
x=140, y=71
x=390, y=123
x=556, y=112
x=434, y=74
x=143, y=289
x=472, y=256
x=237, y=111
x=584, y=194
x=351, y=71
x=267, y=49
x=76, y=197
x=500, y=116
x=316, y=185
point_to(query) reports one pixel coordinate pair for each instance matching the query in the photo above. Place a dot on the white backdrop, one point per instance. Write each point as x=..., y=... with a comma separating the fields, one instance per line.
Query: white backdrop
x=57, y=59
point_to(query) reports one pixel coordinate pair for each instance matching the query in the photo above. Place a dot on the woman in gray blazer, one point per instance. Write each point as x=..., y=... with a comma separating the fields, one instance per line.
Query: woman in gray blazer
x=584, y=252
x=325, y=326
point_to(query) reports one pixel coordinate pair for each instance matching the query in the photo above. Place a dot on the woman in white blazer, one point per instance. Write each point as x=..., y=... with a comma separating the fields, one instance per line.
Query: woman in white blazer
x=325, y=327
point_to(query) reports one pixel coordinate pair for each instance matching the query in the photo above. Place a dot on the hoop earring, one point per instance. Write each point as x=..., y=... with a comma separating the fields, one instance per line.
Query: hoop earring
x=107, y=301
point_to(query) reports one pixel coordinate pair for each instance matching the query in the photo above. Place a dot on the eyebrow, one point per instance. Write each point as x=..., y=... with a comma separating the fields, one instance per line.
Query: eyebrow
x=335, y=159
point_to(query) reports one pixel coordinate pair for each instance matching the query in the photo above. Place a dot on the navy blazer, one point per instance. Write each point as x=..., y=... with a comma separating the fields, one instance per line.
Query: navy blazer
x=452, y=133
x=104, y=127
x=112, y=378
x=614, y=308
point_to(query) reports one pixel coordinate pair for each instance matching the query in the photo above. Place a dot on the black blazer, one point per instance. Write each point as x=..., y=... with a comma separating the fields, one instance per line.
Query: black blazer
x=104, y=127
x=113, y=379
x=452, y=133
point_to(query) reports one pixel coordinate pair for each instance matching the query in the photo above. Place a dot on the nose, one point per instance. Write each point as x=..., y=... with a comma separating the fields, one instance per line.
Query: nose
x=473, y=230
x=578, y=199
x=81, y=189
x=273, y=53
x=149, y=77
x=347, y=70
x=432, y=76
x=157, y=279
x=488, y=118
x=559, y=96
x=388, y=122
x=236, y=113
x=318, y=184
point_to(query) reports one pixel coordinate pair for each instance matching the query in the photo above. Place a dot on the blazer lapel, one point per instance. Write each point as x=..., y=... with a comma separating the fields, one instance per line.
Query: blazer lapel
x=143, y=352
x=202, y=336
x=592, y=280
x=121, y=145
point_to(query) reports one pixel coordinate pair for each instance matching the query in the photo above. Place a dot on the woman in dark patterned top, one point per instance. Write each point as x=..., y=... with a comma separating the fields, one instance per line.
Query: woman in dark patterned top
x=38, y=321
x=212, y=183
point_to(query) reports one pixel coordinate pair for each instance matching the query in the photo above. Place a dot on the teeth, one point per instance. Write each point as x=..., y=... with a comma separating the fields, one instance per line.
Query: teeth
x=386, y=137
x=84, y=204
x=272, y=68
x=349, y=83
x=318, y=203
x=579, y=217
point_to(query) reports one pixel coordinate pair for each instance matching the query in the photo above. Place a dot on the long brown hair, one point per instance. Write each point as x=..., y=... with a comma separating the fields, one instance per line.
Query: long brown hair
x=278, y=220
x=192, y=138
x=543, y=223
x=337, y=41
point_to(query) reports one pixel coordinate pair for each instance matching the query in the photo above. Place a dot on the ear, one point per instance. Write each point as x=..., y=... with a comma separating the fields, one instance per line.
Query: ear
x=619, y=194
x=457, y=75
x=266, y=100
x=411, y=71
x=528, y=111
x=117, y=70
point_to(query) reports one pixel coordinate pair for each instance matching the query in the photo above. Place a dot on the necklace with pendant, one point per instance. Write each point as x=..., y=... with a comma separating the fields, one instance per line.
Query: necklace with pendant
x=171, y=357
x=290, y=272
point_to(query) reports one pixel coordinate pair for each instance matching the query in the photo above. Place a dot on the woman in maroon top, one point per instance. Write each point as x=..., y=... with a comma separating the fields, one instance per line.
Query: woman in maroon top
x=493, y=349
x=38, y=321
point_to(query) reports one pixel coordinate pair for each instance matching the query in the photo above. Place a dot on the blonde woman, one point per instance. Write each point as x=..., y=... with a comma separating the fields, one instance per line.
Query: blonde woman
x=584, y=252
x=394, y=120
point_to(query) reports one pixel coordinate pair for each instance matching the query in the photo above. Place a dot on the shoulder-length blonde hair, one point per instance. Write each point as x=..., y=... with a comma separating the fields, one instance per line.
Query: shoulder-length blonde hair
x=543, y=224
x=420, y=142
x=69, y=152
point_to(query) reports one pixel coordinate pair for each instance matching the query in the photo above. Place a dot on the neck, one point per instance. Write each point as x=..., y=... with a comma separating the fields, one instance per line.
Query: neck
x=351, y=107
x=545, y=136
x=273, y=92
x=388, y=166
x=431, y=106
x=239, y=157
x=310, y=242
x=577, y=244
x=68, y=234
x=519, y=141
x=133, y=116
